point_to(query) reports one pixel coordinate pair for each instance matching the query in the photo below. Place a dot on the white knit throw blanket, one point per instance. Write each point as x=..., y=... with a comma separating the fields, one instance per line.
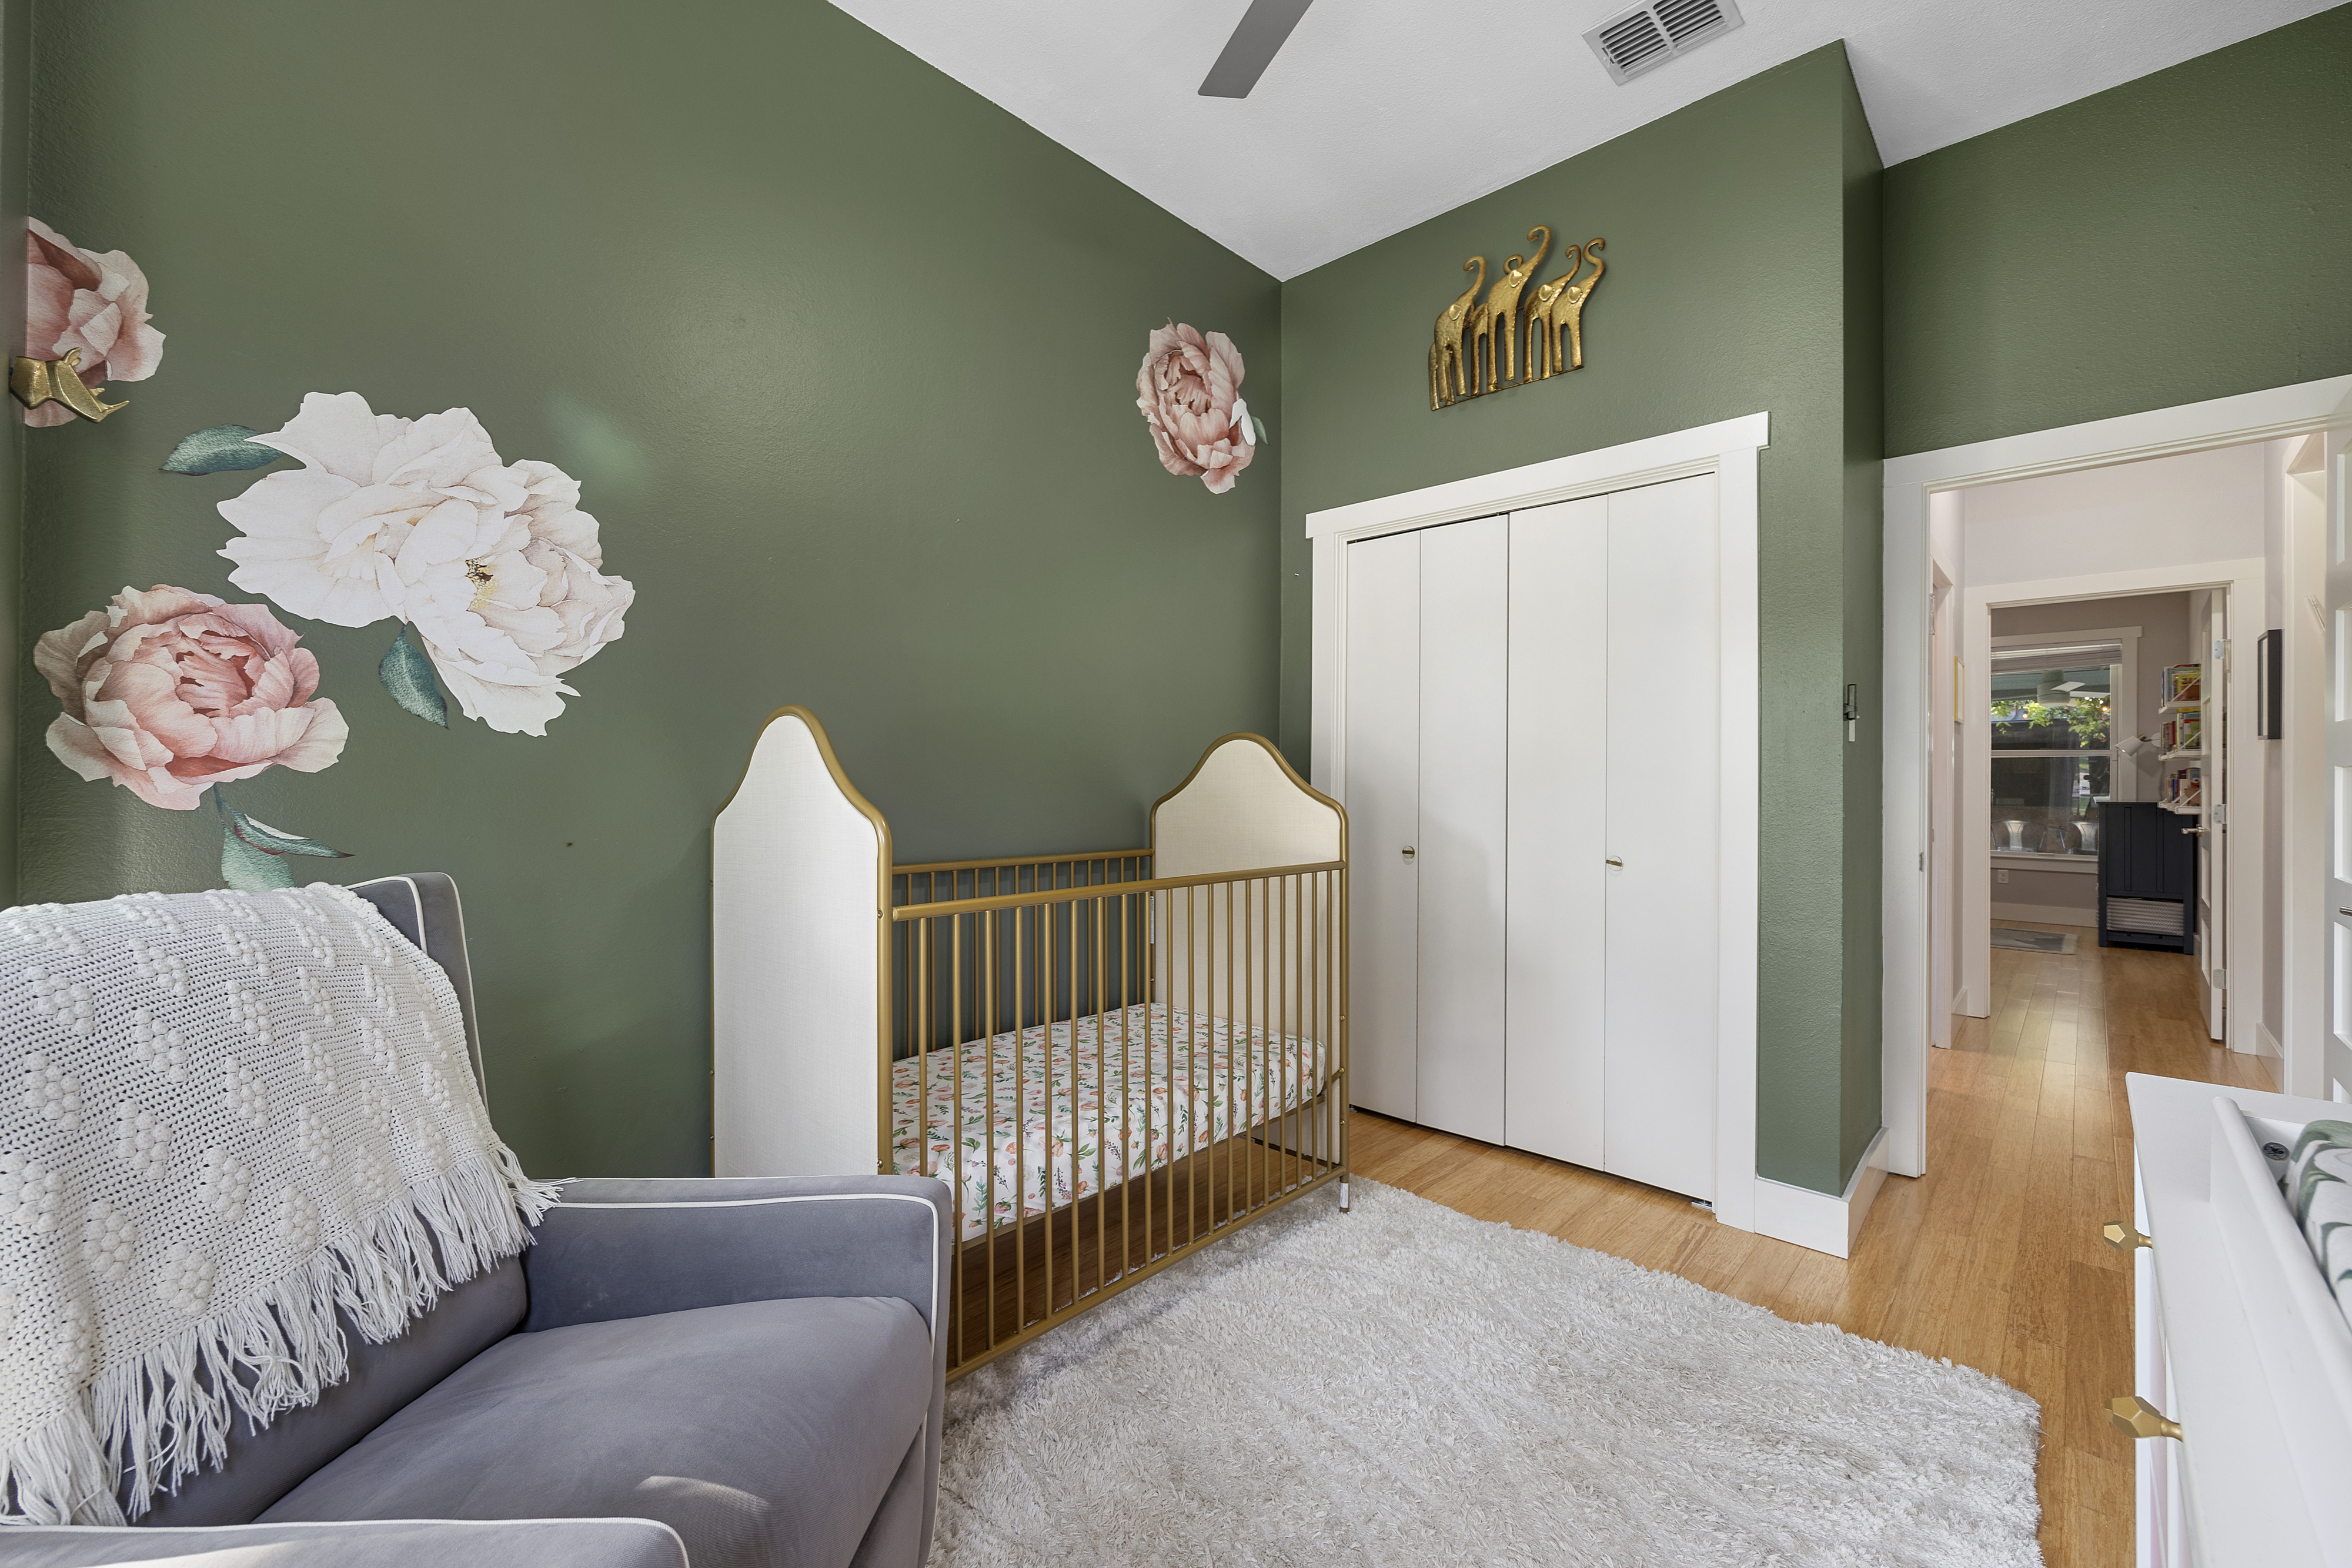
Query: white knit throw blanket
x=223, y=1116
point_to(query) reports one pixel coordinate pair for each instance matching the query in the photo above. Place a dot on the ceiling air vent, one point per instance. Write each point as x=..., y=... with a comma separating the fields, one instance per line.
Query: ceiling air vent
x=1649, y=36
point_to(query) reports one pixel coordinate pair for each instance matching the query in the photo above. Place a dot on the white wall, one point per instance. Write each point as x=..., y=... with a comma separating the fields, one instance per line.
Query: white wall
x=2169, y=511
x=2066, y=897
x=1948, y=898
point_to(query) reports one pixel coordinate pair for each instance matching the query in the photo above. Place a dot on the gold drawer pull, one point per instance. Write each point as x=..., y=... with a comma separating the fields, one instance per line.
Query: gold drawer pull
x=2122, y=1237
x=2139, y=1418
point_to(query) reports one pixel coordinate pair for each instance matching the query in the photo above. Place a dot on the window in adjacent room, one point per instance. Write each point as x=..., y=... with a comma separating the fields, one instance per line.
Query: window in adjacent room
x=2053, y=747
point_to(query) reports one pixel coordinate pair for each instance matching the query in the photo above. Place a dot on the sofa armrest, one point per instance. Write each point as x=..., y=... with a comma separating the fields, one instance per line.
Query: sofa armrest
x=359, y=1543
x=631, y=1248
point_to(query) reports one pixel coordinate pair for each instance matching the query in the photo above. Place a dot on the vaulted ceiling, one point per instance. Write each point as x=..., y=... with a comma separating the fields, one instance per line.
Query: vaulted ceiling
x=1379, y=113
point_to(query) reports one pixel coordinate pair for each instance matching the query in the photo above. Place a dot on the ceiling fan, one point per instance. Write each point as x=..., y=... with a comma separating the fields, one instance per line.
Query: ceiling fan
x=1255, y=41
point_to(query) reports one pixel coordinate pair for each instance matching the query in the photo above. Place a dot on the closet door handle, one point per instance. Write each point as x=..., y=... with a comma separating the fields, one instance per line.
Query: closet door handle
x=1615, y=861
x=1408, y=852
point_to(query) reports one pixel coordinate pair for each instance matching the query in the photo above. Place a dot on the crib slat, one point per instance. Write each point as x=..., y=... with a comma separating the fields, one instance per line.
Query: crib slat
x=1266, y=991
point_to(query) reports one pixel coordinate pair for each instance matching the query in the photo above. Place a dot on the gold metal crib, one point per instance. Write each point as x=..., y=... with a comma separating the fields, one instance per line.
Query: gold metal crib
x=1110, y=1069
x=1112, y=1060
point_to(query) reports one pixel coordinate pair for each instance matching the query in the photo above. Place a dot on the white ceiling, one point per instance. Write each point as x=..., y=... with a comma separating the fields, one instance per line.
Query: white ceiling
x=1379, y=113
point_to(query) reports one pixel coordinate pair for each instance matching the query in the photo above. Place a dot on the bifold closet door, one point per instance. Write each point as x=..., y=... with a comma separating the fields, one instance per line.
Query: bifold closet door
x=1614, y=716
x=1558, y=829
x=1459, y=855
x=1381, y=792
x=1665, y=791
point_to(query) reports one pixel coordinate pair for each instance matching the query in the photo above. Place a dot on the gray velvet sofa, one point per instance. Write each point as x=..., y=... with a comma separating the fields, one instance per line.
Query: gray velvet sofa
x=730, y=1373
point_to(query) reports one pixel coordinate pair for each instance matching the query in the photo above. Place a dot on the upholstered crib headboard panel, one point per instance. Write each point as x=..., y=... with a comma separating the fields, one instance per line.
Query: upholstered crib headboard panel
x=800, y=902
x=1243, y=808
x=1240, y=949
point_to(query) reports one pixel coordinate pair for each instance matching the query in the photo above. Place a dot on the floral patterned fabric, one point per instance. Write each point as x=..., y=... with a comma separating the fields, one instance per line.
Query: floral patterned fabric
x=1166, y=1078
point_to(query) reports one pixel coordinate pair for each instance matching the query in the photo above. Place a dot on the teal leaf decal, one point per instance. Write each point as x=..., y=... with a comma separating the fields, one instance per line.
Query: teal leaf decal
x=277, y=841
x=223, y=449
x=253, y=854
x=249, y=869
x=407, y=675
x=1259, y=425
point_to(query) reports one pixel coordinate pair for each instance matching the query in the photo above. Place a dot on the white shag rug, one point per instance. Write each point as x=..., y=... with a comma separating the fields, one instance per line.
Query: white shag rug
x=1406, y=1384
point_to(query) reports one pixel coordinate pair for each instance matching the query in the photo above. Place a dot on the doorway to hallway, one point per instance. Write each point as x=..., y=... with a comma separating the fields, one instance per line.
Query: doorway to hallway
x=2269, y=542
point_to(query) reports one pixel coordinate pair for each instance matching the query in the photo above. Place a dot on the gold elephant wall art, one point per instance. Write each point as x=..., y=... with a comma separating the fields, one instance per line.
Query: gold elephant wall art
x=1484, y=345
x=1495, y=320
x=1446, y=381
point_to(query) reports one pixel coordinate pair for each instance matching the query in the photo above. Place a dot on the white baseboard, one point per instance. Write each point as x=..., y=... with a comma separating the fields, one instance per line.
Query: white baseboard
x=1815, y=1219
x=2272, y=1053
x=2047, y=913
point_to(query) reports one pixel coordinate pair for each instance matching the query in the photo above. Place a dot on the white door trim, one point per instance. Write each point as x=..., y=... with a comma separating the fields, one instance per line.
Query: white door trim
x=1910, y=481
x=1727, y=450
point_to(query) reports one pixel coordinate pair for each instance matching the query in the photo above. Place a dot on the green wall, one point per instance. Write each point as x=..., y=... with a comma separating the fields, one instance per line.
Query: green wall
x=1743, y=272
x=1860, y=1019
x=844, y=356
x=2179, y=238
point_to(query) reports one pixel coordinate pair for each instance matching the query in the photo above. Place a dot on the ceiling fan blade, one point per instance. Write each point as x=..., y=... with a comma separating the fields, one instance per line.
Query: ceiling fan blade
x=1256, y=39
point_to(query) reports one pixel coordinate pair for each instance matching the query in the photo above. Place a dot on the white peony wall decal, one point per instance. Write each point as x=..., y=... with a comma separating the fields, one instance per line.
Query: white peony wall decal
x=493, y=564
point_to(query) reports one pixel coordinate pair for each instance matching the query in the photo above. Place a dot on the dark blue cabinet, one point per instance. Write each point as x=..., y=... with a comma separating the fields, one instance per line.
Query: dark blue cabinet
x=2147, y=877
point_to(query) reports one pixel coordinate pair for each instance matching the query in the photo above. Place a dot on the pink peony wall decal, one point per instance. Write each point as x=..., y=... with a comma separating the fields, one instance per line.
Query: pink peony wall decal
x=94, y=301
x=1190, y=390
x=494, y=564
x=170, y=694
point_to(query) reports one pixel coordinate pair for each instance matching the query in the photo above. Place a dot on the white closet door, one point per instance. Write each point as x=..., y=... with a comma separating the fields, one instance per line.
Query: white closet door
x=1464, y=660
x=1382, y=791
x=1664, y=686
x=1557, y=828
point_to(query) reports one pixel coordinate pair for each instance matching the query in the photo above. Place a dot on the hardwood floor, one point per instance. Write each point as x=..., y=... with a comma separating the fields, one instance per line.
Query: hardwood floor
x=1993, y=1259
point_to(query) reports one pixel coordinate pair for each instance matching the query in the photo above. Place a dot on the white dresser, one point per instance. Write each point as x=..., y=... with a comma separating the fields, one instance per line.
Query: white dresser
x=2238, y=1341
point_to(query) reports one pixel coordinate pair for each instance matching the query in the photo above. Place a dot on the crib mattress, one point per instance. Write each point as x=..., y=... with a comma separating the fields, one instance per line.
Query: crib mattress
x=1010, y=1119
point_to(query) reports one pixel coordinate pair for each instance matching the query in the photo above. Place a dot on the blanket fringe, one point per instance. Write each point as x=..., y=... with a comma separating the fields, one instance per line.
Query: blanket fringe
x=154, y=1422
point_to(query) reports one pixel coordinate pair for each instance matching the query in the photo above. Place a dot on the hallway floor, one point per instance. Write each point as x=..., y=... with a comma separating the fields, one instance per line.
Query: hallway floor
x=1992, y=1259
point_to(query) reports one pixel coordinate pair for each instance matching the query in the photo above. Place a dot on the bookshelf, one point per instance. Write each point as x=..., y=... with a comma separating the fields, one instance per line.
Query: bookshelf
x=2180, y=741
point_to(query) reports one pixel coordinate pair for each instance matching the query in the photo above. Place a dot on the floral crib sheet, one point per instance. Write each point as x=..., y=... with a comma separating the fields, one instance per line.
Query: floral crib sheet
x=1166, y=1055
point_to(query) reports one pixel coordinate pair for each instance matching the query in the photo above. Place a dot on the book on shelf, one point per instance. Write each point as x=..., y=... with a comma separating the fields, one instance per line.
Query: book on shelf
x=2183, y=682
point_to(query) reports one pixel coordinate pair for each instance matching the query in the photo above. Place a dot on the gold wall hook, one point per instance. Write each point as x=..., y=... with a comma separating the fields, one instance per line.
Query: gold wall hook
x=2139, y=1418
x=2122, y=1237
x=37, y=382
